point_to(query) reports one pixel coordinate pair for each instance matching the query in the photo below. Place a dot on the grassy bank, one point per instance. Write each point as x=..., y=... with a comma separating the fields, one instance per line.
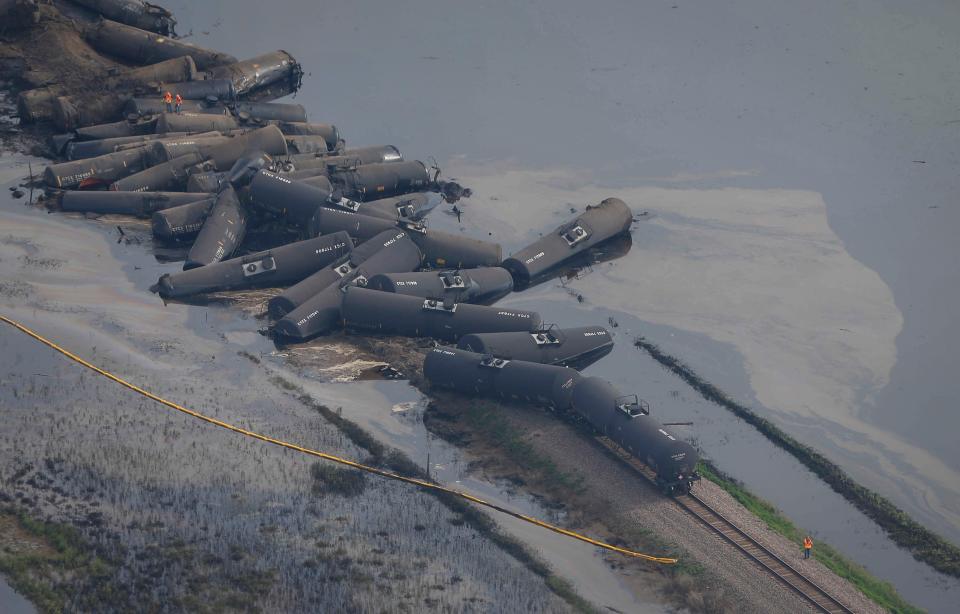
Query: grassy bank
x=923, y=544
x=883, y=593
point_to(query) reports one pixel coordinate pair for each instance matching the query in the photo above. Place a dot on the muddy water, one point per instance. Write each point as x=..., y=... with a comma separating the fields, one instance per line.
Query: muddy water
x=11, y=602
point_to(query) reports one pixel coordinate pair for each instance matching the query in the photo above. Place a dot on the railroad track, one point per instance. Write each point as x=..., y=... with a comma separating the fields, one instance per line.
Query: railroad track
x=737, y=537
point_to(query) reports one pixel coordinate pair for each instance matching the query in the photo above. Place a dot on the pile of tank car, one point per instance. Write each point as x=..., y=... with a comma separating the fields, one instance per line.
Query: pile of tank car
x=232, y=161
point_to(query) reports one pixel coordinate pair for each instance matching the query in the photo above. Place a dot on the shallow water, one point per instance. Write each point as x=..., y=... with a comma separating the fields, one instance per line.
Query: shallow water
x=11, y=602
x=364, y=403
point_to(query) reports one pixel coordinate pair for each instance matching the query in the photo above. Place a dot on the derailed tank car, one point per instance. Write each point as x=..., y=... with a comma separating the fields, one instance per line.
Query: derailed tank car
x=411, y=316
x=574, y=347
x=599, y=223
x=483, y=286
x=274, y=267
x=471, y=373
x=627, y=422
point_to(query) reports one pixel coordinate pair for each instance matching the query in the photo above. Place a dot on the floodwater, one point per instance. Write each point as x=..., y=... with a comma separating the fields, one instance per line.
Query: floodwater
x=801, y=159
x=799, y=162
x=11, y=602
x=79, y=282
x=403, y=427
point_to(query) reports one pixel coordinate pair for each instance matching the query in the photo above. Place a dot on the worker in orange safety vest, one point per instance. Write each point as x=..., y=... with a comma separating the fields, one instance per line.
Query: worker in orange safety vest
x=179, y=102
x=168, y=99
x=807, y=546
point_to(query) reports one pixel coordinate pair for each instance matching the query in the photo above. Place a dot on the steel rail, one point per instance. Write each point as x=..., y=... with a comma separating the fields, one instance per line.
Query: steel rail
x=740, y=539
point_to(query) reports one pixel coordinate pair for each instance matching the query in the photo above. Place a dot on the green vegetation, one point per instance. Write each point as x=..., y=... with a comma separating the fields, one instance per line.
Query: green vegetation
x=330, y=478
x=49, y=564
x=883, y=593
x=398, y=462
x=486, y=419
x=925, y=545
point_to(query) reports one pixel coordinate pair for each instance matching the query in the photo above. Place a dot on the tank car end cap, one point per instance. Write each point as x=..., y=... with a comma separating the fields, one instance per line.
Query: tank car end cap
x=280, y=306
x=286, y=329
x=164, y=286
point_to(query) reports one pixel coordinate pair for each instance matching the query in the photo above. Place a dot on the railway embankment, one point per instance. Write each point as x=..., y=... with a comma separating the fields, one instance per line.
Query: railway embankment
x=922, y=543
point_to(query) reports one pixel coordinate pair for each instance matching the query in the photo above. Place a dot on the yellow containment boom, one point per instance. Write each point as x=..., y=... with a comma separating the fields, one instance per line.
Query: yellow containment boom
x=343, y=461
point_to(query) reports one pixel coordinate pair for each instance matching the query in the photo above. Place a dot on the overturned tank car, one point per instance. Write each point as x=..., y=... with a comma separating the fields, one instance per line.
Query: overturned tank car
x=411, y=316
x=274, y=267
x=626, y=420
x=599, y=223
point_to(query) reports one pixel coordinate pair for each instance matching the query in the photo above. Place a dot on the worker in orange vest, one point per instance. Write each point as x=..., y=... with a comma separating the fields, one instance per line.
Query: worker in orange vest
x=179, y=101
x=168, y=99
x=807, y=546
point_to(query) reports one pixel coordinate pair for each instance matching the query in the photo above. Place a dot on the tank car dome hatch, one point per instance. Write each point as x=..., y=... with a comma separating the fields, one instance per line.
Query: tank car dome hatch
x=412, y=316
x=626, y=422
x=573, y=347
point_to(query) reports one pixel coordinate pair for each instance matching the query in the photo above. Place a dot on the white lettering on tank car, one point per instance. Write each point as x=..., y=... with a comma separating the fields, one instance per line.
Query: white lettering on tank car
x=513, y=314
x=324, y=250
x=529, y=260
x=277, y=177
x=394, y=240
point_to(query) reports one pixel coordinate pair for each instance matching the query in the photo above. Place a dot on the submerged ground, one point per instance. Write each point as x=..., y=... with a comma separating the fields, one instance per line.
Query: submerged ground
x=798, y=179
x=836, y=123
